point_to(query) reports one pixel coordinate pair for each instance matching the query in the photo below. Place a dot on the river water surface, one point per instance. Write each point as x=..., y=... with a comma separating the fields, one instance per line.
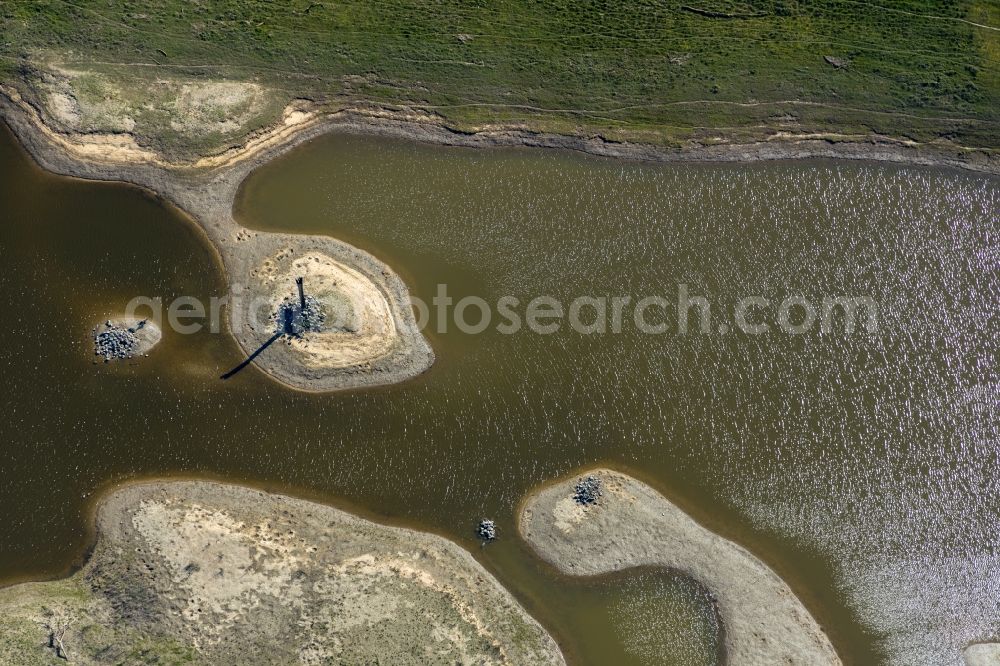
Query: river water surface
x=862, y=466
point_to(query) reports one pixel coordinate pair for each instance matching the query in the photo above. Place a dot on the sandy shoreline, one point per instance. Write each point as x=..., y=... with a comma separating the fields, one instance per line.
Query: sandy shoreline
x=206, y=572
x=207, y=196
x=206, y=189
x=632, y=525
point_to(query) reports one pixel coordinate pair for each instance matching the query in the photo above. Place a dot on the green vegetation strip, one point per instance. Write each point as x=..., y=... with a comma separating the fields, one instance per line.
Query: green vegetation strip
x=919, y=69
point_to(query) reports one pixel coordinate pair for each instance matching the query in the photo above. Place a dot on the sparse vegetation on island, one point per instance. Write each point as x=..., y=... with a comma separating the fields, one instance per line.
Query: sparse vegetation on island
x=631, y=525
x=205, y=573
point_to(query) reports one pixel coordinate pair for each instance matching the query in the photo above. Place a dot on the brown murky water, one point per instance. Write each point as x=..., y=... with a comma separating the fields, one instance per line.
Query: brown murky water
x=861, y=466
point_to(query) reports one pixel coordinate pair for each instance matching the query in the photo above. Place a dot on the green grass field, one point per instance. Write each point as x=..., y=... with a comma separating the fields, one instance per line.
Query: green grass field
x=665, y=71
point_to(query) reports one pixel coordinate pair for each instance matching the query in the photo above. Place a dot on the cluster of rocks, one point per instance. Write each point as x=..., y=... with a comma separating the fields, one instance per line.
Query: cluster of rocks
x=487, y=530
x=296, y=320
x=839, y=63
x=116, y=341
x=312, y=317
x=587, y=490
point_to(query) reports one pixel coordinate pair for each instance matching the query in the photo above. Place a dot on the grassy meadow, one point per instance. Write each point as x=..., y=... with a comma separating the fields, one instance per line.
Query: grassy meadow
x=665, y=71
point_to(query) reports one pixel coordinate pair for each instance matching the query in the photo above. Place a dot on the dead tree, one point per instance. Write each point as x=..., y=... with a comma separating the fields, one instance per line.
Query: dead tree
x=57, y=624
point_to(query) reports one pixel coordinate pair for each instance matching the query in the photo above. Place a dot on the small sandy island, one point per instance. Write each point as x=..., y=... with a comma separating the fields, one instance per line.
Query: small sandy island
x=612, y=522
x=207, y=573
x=365, y=333
x=121, y=338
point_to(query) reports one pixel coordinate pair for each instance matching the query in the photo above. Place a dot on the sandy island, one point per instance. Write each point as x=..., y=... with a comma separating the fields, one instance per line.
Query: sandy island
x=369, y=336
x=202, y=572
x=632, y=525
